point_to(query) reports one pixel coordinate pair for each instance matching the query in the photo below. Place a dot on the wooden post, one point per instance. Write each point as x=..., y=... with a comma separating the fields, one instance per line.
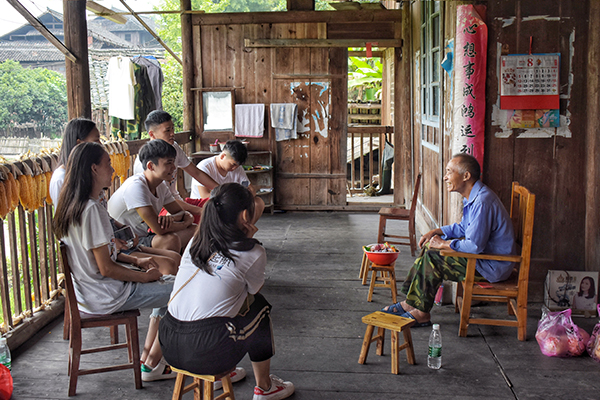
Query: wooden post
x=187, y=55
x=403, y=168
x=78, y=73
x=592, y=218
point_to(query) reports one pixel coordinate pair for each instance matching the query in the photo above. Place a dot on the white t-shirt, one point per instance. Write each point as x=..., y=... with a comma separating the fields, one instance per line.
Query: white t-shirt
x=121, y=94
x=56, y=184
x=181, y=161
x=221, y=294
x=135, y=193
x=96, y=294
x=209, y=165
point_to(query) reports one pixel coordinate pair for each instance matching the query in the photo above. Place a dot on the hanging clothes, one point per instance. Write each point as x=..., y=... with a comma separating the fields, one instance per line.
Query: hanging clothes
x=121, y=92
x=155, y=75
x=132, y=128
x=284, y=117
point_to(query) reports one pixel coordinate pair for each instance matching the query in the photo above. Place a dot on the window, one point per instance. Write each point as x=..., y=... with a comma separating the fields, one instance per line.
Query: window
x=128, y=37
x=430, y=61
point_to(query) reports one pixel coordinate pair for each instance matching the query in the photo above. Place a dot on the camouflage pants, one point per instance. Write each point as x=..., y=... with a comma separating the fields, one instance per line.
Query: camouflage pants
x=427, y=274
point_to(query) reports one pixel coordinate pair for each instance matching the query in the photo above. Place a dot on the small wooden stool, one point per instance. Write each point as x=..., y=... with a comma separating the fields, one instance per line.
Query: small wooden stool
x=202, y=386
x=388, y=277
x=395, y=324
x=364, y=269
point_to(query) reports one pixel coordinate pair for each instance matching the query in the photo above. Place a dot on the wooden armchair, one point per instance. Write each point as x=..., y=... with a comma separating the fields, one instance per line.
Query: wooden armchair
x=512, y=291
x=77, y=323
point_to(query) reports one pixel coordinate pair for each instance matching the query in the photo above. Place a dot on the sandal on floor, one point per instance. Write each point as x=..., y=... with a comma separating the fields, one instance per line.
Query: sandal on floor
x=396, y=309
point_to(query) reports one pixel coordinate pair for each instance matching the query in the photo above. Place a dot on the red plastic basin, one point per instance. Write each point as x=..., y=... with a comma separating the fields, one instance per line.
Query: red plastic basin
x=381, y=258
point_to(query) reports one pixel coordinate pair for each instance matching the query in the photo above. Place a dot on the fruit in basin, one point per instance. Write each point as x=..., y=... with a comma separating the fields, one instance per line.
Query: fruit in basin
x=381, y=253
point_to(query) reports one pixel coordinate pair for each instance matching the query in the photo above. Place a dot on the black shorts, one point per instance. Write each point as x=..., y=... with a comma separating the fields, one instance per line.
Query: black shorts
x=215, y=345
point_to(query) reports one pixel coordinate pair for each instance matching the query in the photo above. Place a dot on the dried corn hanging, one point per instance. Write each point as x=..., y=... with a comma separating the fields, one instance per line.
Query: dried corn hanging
x=8, y=185
x=40, y=184
x=47, y=171
x=27, y=188
x=16, y=187
x=4, y=209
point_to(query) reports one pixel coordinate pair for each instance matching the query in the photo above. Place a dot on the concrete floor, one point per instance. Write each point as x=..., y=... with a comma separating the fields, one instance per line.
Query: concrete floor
x=318, y=303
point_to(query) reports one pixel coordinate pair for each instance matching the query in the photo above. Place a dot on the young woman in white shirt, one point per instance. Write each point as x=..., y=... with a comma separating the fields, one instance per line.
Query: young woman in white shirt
x=103, y=286
x=216, y=315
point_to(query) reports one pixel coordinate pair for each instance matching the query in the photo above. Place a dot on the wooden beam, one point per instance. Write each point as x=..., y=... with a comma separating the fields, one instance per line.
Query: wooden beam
x=300, y=5
x=79, y=99
x=320, y=43
x=374, y=54
x=42, y=29
x=154, y=35
x=297, y=17
x=105, y=12
x=187, y=54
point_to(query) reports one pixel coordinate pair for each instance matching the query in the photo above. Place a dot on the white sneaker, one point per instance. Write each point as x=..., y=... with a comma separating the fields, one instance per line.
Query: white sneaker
x=236, y=375
x=160, y=372
x=279, y=390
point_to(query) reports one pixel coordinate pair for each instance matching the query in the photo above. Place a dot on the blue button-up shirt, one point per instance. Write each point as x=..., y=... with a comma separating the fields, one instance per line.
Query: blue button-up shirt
x=485, y=228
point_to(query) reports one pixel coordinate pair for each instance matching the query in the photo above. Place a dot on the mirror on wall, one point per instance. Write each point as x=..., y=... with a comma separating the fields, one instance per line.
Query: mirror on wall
x=218, y=107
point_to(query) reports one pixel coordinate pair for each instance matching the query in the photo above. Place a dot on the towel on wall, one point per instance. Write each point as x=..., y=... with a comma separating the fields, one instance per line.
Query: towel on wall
x=249, y=120
x=284, y=117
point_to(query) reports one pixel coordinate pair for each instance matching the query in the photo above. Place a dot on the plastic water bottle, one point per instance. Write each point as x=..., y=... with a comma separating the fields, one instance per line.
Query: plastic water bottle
x=5, y=354
x=434, y=357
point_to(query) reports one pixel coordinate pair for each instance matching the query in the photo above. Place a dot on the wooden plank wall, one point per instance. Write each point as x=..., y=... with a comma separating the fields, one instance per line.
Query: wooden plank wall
x=554, y=168
x=311, y=170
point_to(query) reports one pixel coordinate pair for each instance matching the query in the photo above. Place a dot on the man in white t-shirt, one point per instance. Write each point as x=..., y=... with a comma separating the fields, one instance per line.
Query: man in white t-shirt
x=226, y=167
x=139, y=200
x=159, y=125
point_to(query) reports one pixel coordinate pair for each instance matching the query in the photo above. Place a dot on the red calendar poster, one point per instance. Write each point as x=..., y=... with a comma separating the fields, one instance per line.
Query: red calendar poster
x=529, y=81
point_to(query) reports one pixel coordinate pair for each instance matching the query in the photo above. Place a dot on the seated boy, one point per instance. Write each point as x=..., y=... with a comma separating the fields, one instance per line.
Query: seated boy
x=140, y=198
x=227, y=167
x=159, y=125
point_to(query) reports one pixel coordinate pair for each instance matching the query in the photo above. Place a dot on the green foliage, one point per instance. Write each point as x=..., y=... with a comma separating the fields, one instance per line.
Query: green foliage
x=172, y=96
x=36, y=96
x=364, y=73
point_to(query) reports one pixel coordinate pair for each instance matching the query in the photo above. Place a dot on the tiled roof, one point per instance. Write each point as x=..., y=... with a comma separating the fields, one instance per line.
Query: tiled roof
x=26, y=51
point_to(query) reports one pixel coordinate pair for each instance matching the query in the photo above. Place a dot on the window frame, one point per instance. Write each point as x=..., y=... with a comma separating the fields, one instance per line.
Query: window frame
x=430, y=90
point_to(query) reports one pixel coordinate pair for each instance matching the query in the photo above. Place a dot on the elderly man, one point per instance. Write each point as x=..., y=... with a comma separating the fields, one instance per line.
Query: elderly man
x=485, y=228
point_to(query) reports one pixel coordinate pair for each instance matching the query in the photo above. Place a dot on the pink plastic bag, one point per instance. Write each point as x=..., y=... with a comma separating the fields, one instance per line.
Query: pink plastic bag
x=6, y=383
x=593, y=345
x=558, y=336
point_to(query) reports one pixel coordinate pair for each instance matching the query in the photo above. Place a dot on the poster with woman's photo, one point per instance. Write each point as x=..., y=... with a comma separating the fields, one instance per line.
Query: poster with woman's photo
x=577, y=290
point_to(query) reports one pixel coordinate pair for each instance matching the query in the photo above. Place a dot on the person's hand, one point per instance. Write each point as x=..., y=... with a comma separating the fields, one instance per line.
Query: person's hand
x=152, y=275
x=426, y=238
x=121, y=244
x=436, y=242
x=146, y=263
x=136, y=241
x=165, y=221
x=188, y=218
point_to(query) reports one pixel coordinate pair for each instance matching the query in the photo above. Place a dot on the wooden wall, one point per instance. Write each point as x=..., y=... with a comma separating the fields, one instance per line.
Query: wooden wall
x=556, y=168
x=311, y=170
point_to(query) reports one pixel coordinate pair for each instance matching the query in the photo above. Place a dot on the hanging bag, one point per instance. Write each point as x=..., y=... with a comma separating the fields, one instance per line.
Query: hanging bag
x=558, y=336
x=593, y=345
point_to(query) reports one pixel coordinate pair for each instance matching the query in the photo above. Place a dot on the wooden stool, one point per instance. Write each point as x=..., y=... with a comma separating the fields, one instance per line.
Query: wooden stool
x=202, y=386
x=364, y=269
x=395, y=324
x=388, y=277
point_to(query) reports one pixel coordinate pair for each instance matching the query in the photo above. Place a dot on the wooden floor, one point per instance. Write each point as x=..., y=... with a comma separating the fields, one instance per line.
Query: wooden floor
x=318, y=303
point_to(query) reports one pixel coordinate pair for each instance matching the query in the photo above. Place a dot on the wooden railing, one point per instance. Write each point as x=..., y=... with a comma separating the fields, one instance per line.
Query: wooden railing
x=30, y=280
x=362, y=143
